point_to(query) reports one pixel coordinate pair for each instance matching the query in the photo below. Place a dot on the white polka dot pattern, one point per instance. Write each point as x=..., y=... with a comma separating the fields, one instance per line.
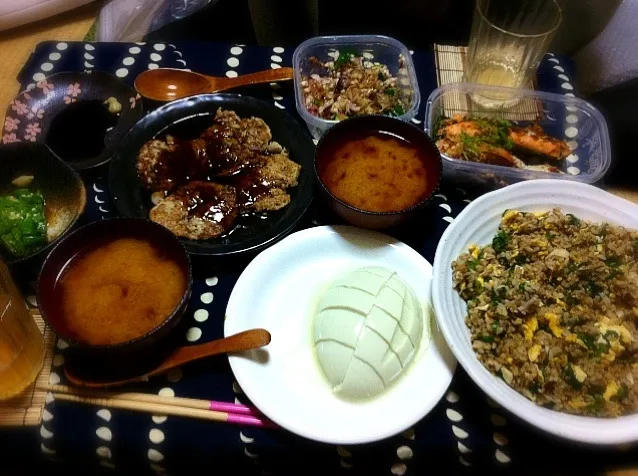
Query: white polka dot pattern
x=501, y=457
x=104, y=433
x=193, y=334
x=453, y=415
x=47, y=416
x=104, y=414
x=462, y=448
x=156, y=436
x=398, y=469
x=455, y=418
x=159, y=419
x=46, y=450
x=573, y=170
x=571, y=132
x=166, y=392
x=201, y=315
x=103, y=452
x=405, y=453
x=206, y=298
x=155, y=456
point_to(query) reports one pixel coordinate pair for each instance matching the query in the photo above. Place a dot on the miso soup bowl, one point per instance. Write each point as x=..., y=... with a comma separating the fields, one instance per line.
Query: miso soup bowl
x=393, y=127
x=85, y=238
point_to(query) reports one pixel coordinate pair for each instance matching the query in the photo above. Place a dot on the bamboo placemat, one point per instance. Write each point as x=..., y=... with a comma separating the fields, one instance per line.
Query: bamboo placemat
x=17, y=44
x=26, y=409
x=450, y=63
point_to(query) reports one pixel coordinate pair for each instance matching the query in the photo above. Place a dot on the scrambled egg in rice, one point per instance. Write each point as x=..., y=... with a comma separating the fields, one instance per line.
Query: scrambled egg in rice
x=553, y=310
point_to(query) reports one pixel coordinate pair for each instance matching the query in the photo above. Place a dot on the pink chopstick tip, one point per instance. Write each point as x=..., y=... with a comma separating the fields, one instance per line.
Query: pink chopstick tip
x=250, y=421
x=231, y=408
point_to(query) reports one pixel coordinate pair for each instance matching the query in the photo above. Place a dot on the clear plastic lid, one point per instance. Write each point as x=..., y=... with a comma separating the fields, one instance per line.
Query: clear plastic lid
x=374, y=48
x=565, y=117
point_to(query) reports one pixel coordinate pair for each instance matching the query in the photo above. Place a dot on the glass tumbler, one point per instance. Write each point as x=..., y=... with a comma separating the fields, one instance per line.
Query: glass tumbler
x=508, y=40
x=21, y=342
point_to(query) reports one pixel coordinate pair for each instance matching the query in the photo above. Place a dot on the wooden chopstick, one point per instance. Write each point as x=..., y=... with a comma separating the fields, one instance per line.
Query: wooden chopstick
x=157, y=404
x=152, y=398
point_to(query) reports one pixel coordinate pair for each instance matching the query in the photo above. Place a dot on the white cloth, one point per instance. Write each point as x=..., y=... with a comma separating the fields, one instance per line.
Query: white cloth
x=19, y=12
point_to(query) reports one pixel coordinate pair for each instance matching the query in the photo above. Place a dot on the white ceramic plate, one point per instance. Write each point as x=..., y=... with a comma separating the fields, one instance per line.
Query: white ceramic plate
x=478, y=223
x=279, y=291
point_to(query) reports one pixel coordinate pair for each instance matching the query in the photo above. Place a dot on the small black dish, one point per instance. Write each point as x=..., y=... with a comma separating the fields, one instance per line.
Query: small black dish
x=187, y=118
x=61, y=186
x=66, y=112
x=144, y=350
x=360, y=127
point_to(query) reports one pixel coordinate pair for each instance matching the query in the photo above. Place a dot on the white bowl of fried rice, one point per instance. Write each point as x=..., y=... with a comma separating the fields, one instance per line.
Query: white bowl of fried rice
x=535, y=290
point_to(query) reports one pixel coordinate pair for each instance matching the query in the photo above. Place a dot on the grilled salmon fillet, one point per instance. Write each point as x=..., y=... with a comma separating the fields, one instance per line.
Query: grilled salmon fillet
x=498, y=142
x=534, y=139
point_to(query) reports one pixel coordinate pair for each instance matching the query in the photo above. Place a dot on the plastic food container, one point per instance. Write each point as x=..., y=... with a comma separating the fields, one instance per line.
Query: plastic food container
x=373, y=48
x=572, y=119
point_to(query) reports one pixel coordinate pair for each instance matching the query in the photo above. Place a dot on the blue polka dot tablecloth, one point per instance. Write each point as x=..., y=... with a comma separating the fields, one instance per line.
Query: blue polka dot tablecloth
x=464, y=434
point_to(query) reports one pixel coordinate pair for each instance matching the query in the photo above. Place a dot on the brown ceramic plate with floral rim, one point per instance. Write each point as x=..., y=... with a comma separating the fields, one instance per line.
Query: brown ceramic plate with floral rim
x=67, y=111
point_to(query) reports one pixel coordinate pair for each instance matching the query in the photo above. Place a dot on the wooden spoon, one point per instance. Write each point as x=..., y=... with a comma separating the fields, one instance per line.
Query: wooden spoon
x=168, y=84
x=246, y=340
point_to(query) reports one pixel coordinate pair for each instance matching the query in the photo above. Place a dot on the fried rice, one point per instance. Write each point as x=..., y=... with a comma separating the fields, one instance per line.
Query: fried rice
x=553, y=310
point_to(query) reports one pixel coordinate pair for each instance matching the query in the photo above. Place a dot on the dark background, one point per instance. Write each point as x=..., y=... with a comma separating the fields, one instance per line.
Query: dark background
x=418, y=24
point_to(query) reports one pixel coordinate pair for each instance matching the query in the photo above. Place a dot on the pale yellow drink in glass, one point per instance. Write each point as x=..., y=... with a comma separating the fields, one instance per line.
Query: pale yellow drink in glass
x=21, y=343
x=507, y=42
